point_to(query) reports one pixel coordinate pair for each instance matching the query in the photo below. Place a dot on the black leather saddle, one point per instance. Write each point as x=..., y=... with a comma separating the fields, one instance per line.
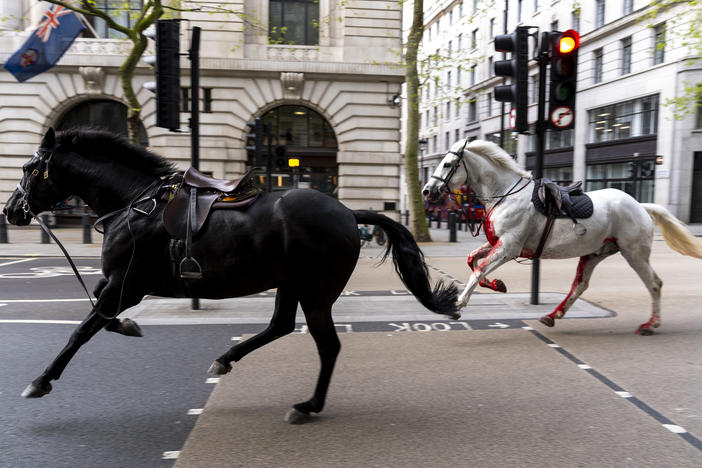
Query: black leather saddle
x=193, y=201
x=551, y=199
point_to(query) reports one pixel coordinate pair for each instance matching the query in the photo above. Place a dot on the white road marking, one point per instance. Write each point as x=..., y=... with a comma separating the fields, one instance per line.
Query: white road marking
x=171, y=455
x=675, y=429
x=54, y=322
x=584, y=366
x=236, y=338
x=17, y=261
x=212, y=380
x=624, y=394
x=527, y=328
x=554, y=345
x=31, y=301
x=195, y=411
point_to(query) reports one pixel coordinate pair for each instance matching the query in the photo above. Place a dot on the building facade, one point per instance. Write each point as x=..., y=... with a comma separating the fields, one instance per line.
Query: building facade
x=632, y=65
x=322, y=73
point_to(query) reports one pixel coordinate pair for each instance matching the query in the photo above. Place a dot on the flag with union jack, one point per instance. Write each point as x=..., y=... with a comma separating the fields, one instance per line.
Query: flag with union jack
x=58, y=28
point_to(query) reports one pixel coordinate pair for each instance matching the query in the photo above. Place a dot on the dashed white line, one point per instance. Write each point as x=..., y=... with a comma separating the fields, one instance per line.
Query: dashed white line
x=170, y=455
x=236, y=338
x=584, y=366
x=675, y=429
x=624, y=394
x=212, y=380
x=53, y=322
x=195, y=411
x=554, y=345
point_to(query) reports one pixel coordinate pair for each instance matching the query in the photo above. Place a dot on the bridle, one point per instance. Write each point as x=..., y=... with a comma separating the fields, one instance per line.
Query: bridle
x=445, y=180
x=44, y=157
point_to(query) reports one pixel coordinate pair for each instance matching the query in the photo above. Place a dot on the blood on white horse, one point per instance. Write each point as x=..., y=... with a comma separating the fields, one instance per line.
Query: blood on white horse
x=513, y=226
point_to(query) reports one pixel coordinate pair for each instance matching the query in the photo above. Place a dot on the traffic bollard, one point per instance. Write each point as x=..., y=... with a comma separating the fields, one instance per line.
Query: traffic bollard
x=86, y=229
x=45, y=235
x=452, y=227
x=3, y=230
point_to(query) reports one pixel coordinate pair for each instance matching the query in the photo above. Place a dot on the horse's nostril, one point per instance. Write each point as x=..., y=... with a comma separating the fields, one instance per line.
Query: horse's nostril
x=425, y=192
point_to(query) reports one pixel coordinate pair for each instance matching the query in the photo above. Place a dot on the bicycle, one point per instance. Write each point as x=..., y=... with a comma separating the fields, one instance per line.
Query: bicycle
x=367, y=235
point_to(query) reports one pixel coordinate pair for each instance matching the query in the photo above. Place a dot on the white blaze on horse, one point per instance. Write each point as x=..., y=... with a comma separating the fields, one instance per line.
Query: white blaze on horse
x=515, y=228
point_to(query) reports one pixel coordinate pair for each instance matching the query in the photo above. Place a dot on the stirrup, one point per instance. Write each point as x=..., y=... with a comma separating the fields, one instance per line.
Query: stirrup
x=190, y=268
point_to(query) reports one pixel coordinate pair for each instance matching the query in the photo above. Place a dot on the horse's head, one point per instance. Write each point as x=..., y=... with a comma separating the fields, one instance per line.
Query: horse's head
x=450, y=173
x=35, y=192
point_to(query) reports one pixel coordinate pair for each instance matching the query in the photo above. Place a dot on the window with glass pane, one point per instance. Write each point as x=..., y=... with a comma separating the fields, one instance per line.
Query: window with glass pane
x=123, y=12
x=294, y=22
x=598, y=65
x=628, y=6
x=698, y=112
x=600, y=14
x=627, y=119
x=659, y=44
x=626, y=56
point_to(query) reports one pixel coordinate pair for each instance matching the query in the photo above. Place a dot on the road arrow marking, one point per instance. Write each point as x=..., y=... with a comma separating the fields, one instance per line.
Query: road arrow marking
x=498, y=325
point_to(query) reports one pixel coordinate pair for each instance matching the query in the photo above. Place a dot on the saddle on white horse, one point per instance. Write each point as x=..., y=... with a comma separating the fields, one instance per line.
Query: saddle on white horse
x=554, y=200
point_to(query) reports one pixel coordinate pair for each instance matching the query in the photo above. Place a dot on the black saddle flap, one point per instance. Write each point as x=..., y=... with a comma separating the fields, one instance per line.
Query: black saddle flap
x=175, y=213
x=573, y=202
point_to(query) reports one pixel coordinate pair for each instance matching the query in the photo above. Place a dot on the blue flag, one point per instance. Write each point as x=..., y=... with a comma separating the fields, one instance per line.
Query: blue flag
x=56, y=32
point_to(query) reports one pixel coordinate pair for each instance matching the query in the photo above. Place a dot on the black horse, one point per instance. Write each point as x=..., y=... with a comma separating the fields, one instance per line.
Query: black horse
x=302, y=242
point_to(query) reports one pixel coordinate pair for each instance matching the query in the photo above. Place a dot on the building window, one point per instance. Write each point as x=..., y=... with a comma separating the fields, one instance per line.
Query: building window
x=458, y=76
x=460, y=41
x=659, y=44
x=637, y=178
x=637, y=117
x=185, y=99
x=474, y=39
x=448, y=141
x=575, y=20
x=519, y=11
x=534, y=82
x=207, y=100
x=492, y=27
x=597, y=68
x=628, y=6
x=554, y=25
x=124, y=13
x=472, y=111
x=491, y=67
x=448, y=78
x=436, y=115
x=472, y=75
x=450, y=48
x=447, y=117
x=698, y=111
x=600, y=13
x=458, y=107
x=294, y=22
x=536, y=6
x=559, y=175
x=626, y=56
x=456, y=135
x=488, y=104
x=559, y=139
x=427, y=122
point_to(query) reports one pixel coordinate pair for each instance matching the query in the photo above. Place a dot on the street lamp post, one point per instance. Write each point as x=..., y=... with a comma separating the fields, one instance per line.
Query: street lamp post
x=423, y=143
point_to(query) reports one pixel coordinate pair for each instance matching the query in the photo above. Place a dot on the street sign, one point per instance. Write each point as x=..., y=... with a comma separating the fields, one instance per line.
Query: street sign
x=562, y=117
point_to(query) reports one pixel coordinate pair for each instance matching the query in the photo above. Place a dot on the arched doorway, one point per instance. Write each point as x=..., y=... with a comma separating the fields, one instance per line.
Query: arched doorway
x=301, y=133
x=102, y=114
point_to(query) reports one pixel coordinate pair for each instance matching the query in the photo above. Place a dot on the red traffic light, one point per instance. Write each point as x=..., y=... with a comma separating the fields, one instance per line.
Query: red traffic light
x=568, y=42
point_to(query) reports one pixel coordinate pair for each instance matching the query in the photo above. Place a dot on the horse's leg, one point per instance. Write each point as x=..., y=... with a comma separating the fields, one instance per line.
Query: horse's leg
x=321, y=327
x=503, y=251
x=586, y=266
x=637, y=258
x=496, y=284
x=282, y=323
x=94, y=322
x=127, y=327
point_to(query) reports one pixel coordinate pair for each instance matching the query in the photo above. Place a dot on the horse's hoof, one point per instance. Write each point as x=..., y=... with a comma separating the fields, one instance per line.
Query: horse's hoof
x=131, y=328
x=296, y=417
x=644, y=331
x=455, y=315
x=547, y=320
x=35, y=391
x=218, y=368
x=500, y=286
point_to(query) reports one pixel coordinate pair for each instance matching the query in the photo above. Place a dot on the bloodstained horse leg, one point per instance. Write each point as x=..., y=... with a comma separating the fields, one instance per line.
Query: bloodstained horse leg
x=94, y=322
x=282, y=323
x=477, y=254
x=586, y=266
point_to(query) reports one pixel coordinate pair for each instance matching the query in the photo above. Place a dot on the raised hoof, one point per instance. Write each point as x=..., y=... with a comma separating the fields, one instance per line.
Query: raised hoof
x=500, y=286
x=297, y=417
x=34, y=391
x=218, y=368
x=455, y=315
x=644, y=331
x=547, y=320
x=131, y=328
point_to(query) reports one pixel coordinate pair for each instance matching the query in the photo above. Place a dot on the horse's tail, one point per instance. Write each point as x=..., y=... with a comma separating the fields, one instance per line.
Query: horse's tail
x=410, y=266
x=675, y=233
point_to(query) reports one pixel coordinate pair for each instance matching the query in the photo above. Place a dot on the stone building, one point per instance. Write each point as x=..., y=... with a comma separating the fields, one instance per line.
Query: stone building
x=631, y=64
x=324, y=73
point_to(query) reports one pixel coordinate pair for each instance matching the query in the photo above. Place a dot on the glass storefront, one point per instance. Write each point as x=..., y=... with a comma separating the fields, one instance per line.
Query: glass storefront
x=634, y=118
x=637, y=178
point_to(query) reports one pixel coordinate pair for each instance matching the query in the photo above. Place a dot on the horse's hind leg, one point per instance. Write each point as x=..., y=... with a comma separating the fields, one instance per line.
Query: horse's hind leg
x=638, y=260
x=481, y=252
x=586, y=266
x=282, y=323
x=321, y=327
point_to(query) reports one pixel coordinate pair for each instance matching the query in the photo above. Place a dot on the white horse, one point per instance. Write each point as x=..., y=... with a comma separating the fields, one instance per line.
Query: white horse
x=514, y=228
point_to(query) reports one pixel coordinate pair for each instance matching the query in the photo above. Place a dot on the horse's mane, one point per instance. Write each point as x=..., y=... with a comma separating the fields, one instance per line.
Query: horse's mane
x=497, y=155
x=116, y=147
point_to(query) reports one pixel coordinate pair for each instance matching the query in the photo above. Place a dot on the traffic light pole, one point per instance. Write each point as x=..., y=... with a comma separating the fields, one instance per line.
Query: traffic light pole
x=543, y=59
x=195, y=113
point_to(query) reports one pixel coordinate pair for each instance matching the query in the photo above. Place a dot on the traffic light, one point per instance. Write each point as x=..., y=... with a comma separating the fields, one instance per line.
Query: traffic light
x=281, y=156
x=167, y=64
x=254, y=140
x=564, y=68
x=517, y=67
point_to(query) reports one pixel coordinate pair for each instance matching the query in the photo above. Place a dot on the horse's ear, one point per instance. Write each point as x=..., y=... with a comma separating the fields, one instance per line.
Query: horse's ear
x=49, y=140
